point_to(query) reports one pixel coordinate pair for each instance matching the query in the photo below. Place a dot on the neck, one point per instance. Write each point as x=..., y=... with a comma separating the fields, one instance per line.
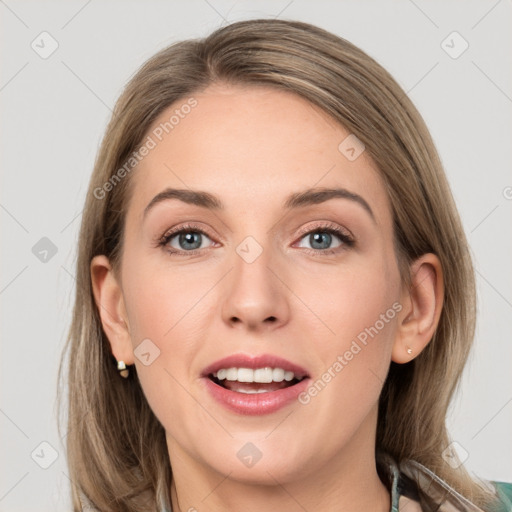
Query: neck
x=368, y=494
x=348, y=482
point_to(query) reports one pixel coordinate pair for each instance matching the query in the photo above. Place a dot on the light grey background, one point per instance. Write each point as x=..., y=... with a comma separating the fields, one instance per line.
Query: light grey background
x=54, y=112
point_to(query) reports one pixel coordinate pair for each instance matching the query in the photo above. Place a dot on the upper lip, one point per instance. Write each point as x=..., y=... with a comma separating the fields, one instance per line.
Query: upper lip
x=255, y=361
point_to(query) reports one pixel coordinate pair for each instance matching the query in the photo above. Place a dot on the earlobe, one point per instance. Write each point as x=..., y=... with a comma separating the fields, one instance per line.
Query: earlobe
x=422, y=305
x=110, y=303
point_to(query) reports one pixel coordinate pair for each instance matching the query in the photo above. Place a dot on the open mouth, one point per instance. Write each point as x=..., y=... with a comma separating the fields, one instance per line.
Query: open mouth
x=252, y=381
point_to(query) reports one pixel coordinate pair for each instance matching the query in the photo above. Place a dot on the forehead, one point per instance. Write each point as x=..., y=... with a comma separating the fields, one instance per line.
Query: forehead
x=252, y=147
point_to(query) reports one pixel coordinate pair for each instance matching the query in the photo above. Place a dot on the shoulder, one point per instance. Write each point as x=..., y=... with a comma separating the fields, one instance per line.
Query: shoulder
x=412, y=480
x=504, y=492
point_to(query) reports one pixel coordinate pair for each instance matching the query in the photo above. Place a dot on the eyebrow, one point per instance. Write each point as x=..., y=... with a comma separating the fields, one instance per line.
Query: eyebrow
x=297, y=200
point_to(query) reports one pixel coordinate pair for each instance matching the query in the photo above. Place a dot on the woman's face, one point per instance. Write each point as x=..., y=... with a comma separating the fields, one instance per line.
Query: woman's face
x=263, y=278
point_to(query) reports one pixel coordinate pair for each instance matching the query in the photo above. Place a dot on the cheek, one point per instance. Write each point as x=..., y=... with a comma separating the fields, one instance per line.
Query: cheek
x=350, y=300
x=160, y=299
x=358, y=310
x=168, y=310
x=163, y=308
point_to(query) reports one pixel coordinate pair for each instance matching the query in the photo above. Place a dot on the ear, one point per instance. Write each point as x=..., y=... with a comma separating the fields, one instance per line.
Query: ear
x=110, y=303
x=422, y=304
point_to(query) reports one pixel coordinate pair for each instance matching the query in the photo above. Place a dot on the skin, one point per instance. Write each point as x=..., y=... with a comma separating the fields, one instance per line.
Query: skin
x=252, y=147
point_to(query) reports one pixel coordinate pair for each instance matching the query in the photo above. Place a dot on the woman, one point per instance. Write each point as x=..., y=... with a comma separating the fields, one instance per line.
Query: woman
x=301, y=353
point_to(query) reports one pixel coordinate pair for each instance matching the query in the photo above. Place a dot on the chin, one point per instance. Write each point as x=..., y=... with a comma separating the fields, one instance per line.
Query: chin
x=261, y=463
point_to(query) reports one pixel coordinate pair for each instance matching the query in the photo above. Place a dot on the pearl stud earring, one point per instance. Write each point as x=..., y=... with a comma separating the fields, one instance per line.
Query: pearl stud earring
x=123, y=371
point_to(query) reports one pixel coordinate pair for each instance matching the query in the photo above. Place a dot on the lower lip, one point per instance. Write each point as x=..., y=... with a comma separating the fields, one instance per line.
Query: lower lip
x=255, y=403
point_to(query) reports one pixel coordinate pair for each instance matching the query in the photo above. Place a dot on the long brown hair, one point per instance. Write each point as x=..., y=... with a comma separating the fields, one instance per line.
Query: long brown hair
x=116, y=447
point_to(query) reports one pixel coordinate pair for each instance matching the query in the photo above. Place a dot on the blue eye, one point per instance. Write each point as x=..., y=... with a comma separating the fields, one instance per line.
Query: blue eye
x=188, y=240
x=321, y=238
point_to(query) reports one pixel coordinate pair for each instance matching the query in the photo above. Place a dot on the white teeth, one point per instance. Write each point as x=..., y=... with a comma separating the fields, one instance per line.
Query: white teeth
x=231, y=374
x=288, y=376
x=278, y=375
x=245, y=375
x=252, y=391
x=261, y=375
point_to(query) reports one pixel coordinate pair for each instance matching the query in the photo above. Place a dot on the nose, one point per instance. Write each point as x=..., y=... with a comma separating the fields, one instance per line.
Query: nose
x=256, y=297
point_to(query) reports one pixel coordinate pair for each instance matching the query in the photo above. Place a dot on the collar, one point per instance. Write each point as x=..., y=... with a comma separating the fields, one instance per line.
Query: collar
x=416, y=488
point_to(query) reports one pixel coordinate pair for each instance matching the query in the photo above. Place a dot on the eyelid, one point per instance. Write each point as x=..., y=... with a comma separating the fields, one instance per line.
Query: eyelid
x=326, y=224
x=348, y=241
x=187, y=226
x=345, y=235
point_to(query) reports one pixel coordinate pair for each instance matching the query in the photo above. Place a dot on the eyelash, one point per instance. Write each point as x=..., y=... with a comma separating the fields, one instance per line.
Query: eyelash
x=332, y=229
